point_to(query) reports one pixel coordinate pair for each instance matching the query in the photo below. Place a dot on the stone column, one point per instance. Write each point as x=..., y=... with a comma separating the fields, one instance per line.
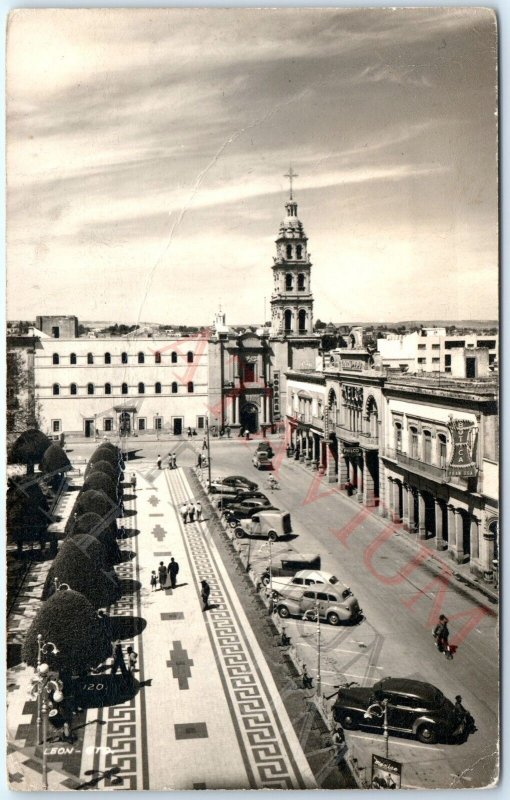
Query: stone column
x=383, y=510
x=368, y=482
x=361, y=479
x=236, y=409
x=474, y=544
x=457, y=544
x=302, y=452
x=422, y=528
x=487, y=555
x=330, y=463
x=411, y=516
x=441, y=544
x=343, y=474
x=405, y=506
x=396, y=503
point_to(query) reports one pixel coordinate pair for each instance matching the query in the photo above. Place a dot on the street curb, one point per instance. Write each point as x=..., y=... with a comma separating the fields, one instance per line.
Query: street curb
x=417, y=544
x=274, y=621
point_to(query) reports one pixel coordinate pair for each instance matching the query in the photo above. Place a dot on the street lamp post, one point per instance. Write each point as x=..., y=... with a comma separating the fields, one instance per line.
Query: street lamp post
x=43, y=685
x=318, y=649
x=380, y=710
x=208, y=452
x=271, y=602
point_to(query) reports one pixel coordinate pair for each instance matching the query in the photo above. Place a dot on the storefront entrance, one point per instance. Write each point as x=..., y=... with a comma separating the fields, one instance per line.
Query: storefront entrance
x=125, y=423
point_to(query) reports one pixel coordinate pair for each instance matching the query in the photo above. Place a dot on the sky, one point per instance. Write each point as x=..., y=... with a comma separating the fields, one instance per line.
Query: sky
x=146, y=154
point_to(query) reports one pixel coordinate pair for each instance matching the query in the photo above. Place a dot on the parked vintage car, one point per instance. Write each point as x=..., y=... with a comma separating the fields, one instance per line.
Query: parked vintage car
x=413, y=707
x=271, y=524
x=309, y=577
x=244, y=509
x=333, y=605
x=291, y=564
x=266, y=447
x=232, y=485
x=226, y=501
x=261, y=460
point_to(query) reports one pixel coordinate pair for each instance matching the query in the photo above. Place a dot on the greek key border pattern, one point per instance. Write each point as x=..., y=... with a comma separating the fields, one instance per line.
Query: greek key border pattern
x=257, y=727
x=120, y=731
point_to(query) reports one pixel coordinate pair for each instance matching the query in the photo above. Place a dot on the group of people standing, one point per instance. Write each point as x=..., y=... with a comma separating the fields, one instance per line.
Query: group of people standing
x=191, y=512
x=166, y=575
x=171, y=461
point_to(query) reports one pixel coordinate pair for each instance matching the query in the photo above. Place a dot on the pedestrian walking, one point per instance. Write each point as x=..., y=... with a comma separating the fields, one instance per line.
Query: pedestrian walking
x=118, y=660
x=198, y=511
x=441, y=635
x=194, y=432
x=154, y=581
x=199, y=461
x=133, y=482
x=191, y=512
x=247, y=434
x=184, y=512
x=264, y=428
x=169, y=462
x=174, y=460
x=173, y=569
x=205, y=592
x=228, y=431
x=132, y=659
x=162, y=575
x=189, y=433
x=158, y=461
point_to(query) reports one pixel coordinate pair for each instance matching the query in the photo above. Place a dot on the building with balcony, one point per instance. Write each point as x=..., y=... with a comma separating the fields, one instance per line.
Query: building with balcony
x=306, y=402
x=439, y=464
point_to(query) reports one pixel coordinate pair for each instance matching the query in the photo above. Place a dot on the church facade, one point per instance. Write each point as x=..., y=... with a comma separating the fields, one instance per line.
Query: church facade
x=247, y=371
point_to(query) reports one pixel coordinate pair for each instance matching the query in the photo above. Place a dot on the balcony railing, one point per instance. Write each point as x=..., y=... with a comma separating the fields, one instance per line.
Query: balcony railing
x=417, y=466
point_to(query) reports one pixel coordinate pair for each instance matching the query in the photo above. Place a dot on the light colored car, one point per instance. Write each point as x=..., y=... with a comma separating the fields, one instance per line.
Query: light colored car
x=272, y=525
x=308, y=577
x=333, y=605
x=261, y=460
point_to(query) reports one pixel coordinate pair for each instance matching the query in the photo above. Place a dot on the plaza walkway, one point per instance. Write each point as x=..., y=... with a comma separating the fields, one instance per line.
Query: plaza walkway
x=207, y=713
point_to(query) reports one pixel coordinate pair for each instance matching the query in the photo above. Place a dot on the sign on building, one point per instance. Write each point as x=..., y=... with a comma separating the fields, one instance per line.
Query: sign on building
x=276, y=395
x=462, y=462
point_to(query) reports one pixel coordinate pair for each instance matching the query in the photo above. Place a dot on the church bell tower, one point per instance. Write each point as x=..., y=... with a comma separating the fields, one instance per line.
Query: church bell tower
x=291, y=301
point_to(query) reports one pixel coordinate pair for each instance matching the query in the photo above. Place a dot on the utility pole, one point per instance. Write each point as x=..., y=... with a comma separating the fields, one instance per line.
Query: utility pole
x=318, y=650
x=208, y=453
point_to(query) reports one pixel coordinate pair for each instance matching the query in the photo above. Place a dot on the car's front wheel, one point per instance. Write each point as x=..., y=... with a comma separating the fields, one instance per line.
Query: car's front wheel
x=426, y=734
x=333, y=618
x=284, y=612
x=347, y=720
x=265, y=580
x=272, y=536
x=232, y=523
x=239, y=533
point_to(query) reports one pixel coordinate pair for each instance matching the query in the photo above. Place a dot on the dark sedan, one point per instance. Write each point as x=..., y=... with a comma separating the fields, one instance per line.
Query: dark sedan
x=412, y=707
x=240, y=497
x=233, y=484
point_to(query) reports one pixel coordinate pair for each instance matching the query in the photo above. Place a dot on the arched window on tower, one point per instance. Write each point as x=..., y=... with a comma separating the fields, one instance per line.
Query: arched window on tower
x=56, y=388
x=190, y=357
x=90, y=388
x=107, y=388
x=157, y=388
x=288, y=320
x=124, y=388
x=301, y=282
x=191, y=388
x=90, y=358
x=174, y=387
x=299, y=251
x=157, y=358
x=72, y=358
x=141, y=358
x=174, y=357
x=124, y=358
x=107, y=358
x=289, y=251
x=288, y=282
x=56, y=358
x=302, y=321
x=73, y=389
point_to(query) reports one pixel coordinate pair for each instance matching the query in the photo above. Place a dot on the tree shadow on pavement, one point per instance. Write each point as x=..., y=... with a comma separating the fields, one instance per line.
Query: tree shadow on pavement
x=128, y=586
x=126, y=555
x=110, y=776
x=127, y=534
x=126, y=627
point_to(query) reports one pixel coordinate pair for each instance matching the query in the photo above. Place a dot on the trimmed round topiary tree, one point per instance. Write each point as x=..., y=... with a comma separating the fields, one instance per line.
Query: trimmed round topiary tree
x=104, y=531
x=29, y=448
x=96, y=501
x=105, y=467
x=54, y=460
x=107, y=454
x=81, y=562
x=99, y=482
x=69, y=621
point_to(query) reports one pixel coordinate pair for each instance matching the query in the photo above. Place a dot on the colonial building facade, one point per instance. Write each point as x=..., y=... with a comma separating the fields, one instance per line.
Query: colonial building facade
x=121, y=384
x=422, y=450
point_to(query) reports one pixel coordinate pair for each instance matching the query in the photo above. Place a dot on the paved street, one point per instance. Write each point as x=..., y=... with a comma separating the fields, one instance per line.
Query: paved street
x=401, y=599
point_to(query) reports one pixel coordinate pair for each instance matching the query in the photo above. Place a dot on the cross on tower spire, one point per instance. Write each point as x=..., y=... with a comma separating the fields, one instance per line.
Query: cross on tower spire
x=290, y=175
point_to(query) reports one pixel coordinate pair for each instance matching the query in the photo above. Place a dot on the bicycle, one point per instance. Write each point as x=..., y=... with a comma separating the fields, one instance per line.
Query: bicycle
x=272, y=484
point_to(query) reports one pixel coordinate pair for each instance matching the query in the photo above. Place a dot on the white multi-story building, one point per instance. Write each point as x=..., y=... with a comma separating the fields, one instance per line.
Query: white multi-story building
x=433, y=350
x=112, y=384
